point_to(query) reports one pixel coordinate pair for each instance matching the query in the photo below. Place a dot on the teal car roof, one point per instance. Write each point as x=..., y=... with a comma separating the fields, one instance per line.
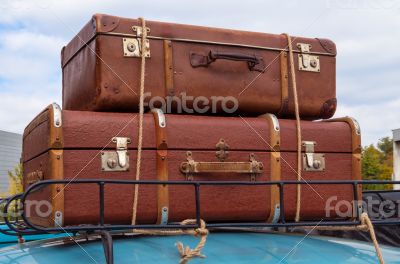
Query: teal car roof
x=223, y=247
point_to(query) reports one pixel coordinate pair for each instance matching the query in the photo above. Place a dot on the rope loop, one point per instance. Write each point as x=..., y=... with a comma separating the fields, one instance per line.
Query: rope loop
x=186, y=252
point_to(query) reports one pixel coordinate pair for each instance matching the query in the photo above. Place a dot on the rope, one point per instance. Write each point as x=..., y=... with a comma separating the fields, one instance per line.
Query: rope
x=186, y=252
x=298, y=126
x=365, y=226
x=141, y=111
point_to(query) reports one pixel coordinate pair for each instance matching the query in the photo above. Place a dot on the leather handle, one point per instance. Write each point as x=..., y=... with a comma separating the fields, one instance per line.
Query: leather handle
x=191, y=167
x=254, y=62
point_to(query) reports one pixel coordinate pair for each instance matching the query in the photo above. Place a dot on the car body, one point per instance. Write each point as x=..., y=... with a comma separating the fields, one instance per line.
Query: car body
x=221, y=247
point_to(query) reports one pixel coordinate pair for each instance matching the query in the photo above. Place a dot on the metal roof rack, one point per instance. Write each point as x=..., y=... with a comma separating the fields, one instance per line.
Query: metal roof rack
x=22, y=226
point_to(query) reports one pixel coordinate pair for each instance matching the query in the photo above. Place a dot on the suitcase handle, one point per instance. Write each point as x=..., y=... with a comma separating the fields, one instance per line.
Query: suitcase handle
x=255, y=63
x=191, y=167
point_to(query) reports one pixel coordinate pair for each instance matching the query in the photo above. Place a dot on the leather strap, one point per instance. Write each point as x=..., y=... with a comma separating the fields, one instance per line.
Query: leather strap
x=168, y=68
x=283, y=111
x=162, y=166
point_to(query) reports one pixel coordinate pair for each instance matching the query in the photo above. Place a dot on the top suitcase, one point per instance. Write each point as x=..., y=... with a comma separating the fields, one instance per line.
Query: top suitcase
x=192, y=69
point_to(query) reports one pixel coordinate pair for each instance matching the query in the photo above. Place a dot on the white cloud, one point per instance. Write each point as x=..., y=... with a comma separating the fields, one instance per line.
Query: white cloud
x=33, y=32
x=376, y=121
x=17, y=110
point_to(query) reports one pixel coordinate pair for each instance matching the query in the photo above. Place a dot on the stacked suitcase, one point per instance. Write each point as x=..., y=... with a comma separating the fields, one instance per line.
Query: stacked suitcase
x=95, y=136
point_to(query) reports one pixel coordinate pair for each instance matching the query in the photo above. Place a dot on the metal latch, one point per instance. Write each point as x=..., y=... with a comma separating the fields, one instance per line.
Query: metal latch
x=133, y=46
x=116, y=160
x=312, y=161
x=307, y=62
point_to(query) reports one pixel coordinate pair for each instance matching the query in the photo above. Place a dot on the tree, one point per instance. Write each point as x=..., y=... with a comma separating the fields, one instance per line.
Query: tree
x=377, y=163
x=15, y=186
x=15, y=180
x=386, y=146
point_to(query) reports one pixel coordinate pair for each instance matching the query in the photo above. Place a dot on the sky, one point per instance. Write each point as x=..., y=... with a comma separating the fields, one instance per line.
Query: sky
x=366, y=32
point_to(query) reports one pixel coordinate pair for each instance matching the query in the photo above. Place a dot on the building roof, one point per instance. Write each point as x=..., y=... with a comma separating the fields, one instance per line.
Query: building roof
x=396, y=134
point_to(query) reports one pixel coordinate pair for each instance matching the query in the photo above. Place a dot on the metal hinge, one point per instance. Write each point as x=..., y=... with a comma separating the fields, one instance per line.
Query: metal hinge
x=312, y=161
x=277, y=214
x=164, y=216
x=57, y=115
x=133, y=46
x=116, y=160
x=307, y=62
x=58, y=219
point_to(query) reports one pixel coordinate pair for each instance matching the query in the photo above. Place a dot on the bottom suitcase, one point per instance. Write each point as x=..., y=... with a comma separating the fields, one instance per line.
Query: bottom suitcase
x=92, y=145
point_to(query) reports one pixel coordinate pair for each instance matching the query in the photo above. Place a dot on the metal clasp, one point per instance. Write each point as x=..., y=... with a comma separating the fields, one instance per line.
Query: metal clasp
x=312, y=161
x=307, y=62
x=133, y=46
x=222, y=152
x=116, y=160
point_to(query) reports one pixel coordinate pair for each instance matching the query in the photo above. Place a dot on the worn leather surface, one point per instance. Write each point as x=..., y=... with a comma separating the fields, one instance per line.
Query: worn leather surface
x=111, y=83
x=87, y=133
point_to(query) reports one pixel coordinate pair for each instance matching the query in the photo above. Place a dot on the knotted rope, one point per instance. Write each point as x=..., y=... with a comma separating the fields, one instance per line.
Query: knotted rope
x=186, y=252
x=141, y=111
x=365, y=226
x=298, y=125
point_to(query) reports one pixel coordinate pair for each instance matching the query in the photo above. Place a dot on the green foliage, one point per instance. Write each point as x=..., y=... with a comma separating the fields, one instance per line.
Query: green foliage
x=15, y=186
x=15, y=180
x=377, y=163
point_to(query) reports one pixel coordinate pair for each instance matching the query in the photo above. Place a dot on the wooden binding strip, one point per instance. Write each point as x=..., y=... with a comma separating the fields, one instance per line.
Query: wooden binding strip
x=356, y=149
x=275, y=163
x=56, y=163
x=168, y=68
x=162, y=165
x=55, y=169
x=284, y=85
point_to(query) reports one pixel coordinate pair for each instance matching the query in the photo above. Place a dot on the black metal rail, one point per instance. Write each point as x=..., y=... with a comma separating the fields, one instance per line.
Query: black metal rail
x=25, y=227
x=102, y=226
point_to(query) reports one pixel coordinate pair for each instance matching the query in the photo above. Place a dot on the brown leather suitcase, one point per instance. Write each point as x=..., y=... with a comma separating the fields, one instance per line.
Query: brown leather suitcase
x=101, y=69
x=82, y=145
